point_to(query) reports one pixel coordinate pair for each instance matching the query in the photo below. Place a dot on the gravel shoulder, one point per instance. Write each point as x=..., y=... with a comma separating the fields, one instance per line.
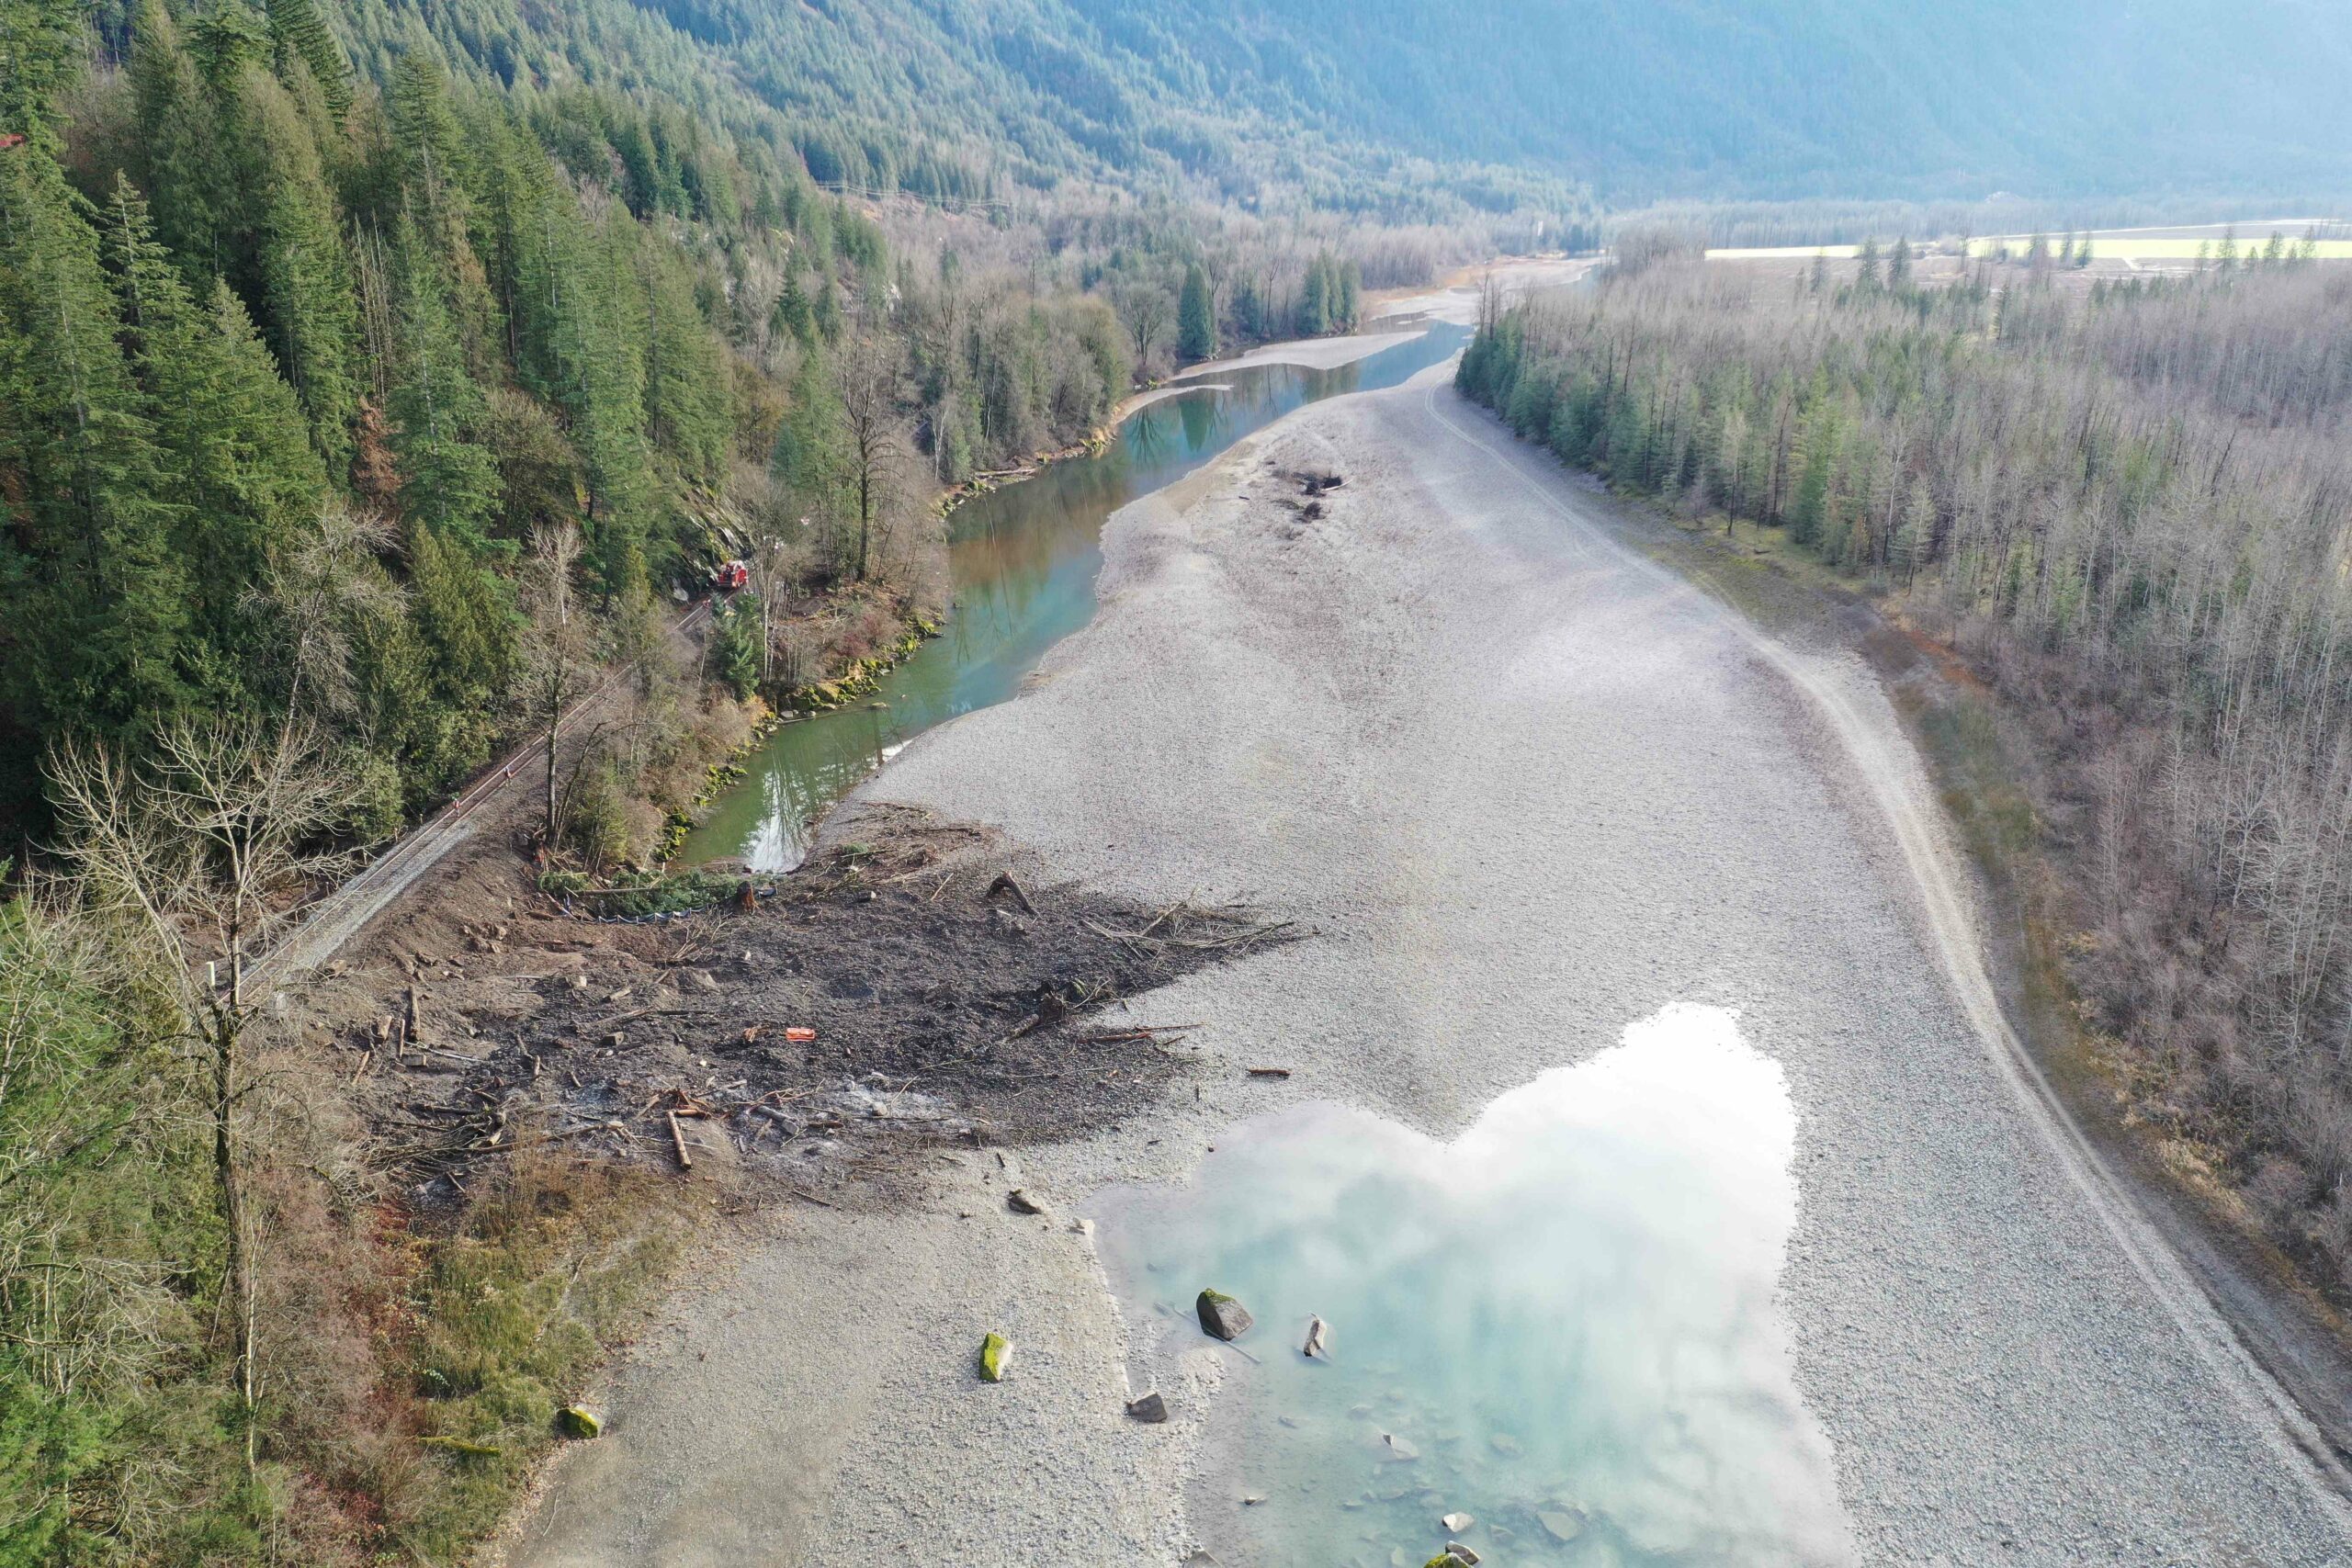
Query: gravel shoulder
x=1525, y=786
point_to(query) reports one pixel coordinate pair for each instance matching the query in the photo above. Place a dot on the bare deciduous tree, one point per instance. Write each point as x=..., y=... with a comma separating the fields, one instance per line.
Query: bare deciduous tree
x=198, y=851
x=1147, y=309
x=557, y=645
x=872, y=381
x=320, y=588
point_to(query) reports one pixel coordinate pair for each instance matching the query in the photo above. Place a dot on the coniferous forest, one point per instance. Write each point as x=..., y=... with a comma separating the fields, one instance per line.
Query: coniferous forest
x=372, y=380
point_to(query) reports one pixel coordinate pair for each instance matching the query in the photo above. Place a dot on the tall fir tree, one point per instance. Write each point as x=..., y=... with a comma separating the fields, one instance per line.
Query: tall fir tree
x=95, y=613
x=230, y=430
x=181, y=164
x=313, y=316
x=1314, y=299
x=688, y=411
x=448, y=478
x=298, y=31
x=1196, y=316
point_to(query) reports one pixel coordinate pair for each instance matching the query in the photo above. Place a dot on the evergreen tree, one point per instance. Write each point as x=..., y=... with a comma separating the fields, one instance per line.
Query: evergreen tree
x=40, y=49
x=229, y=428
x=438, y=177
x=809, y=447
x=193, y=187
x=465, y=622
x=313, y=319
x=1196, y=316
x=688, y=412
x=1898, y=266
x=582, y=342
x=95, y=615
x=297, y=31
x=1346, y=290
x=1248, y=309
x=794, y=317
x=1314, y=299
x=1811, y=514
x=448, y=479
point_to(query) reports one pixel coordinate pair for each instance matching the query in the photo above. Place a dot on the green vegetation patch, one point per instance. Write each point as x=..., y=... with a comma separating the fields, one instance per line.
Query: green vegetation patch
x=514, y=1310
x=649, y=895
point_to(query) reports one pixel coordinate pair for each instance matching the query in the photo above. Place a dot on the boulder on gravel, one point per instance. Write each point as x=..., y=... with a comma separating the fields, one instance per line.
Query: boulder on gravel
x=995, y=1350
x=1020, y=1202
x=1149, y=1408
x=1222, y=1317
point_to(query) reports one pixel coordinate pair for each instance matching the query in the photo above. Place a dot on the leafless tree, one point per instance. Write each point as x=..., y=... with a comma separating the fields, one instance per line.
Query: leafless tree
x=556, y=646
x=324, y=586
x=198, y=853
x=871, y=380
x=774, y=553
x=1147, y=309
x=2129, y=509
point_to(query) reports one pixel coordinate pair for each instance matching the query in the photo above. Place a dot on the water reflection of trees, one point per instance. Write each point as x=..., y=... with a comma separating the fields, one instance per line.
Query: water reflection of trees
x=1023, y=562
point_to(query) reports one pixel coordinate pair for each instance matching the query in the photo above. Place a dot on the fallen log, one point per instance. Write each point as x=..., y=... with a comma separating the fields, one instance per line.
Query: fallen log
x=1007, y=883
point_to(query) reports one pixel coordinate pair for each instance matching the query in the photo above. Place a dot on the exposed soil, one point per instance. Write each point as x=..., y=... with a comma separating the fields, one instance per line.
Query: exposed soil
x=944, y=996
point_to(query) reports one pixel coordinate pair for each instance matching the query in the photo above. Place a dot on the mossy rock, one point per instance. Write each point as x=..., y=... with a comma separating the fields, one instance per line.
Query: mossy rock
x=1445, y=1559
x=573, y=1421
x=1222, y=1316
x=995, y=1350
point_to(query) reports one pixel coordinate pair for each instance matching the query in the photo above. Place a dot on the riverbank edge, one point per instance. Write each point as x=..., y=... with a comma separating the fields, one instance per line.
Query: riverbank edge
x=860, y=677
x=1981, y=764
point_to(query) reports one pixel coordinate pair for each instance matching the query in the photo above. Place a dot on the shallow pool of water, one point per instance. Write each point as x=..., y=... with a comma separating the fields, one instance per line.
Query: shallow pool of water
x=1022, y=564
x=1562, y=1323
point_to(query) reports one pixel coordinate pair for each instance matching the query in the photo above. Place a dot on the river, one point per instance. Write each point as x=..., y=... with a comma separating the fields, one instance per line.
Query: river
x=1021, y=565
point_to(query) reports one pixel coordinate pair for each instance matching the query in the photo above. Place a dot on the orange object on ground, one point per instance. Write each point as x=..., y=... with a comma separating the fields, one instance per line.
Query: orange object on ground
x=802, y=1035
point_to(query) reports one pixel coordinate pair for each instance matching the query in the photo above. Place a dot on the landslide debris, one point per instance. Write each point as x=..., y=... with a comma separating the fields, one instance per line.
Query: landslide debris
x=904, y=987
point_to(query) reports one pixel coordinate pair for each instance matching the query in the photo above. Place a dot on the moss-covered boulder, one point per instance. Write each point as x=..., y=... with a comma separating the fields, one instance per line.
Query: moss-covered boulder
x=996, y=1351
x=576, y=1421
x=1222, y=1317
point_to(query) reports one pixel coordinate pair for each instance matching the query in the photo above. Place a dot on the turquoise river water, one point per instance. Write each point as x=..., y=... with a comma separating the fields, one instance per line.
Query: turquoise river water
x=1561, y=1323
x=1022, y=563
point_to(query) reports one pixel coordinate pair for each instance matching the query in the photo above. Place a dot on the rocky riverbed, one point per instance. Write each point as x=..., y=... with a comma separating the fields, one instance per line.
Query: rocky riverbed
x=1527, y=789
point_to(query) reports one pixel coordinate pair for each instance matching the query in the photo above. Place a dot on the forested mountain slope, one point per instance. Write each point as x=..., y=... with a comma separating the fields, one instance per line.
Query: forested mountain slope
x=1796, y=97
x=1748, y=97
x=956, y=100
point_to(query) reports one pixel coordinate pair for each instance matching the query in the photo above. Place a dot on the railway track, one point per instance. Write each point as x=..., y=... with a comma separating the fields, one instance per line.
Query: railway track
x=341, y=915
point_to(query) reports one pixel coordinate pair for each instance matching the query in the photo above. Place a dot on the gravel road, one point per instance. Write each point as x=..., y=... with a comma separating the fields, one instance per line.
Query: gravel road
x=1528, y=787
